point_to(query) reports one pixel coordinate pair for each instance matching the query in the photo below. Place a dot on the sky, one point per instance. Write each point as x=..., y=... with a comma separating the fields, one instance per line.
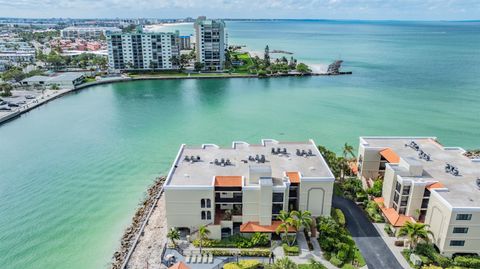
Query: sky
x=281, y=9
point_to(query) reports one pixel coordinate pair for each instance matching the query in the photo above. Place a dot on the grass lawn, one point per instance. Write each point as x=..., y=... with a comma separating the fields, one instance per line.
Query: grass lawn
x=245, y=57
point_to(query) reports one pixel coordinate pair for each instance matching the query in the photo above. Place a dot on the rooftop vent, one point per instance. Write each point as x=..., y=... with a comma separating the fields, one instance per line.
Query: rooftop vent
x=451, y=169
x=222, y=162
x=304, y=153
x=478, y=183
x=423, y=155
x=413, y=145
x=192, y=158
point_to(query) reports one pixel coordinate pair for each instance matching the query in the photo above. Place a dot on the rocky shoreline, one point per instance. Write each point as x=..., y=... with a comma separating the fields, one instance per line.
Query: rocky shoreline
x=473, y=153
x=128, y=239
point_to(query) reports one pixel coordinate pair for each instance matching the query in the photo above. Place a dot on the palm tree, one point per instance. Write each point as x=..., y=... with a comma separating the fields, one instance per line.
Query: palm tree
x=284, y=263
x=285, y=218
x=305, y=218
x=173, y=234
x=203, y=233
x=347, y=149
x=415, y=232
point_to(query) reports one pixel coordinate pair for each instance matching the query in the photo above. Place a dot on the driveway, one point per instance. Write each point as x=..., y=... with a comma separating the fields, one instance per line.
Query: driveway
x=371, y=245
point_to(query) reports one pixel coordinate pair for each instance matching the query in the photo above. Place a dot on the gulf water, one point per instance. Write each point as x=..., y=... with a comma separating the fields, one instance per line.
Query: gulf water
x=73, y=171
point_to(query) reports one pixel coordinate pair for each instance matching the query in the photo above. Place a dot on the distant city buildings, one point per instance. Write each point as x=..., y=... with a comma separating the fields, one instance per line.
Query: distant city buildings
x=143, y=50
x=210, y=43
x=185, y=42
x=88, y=33
x=16, y=52
x=426, y=182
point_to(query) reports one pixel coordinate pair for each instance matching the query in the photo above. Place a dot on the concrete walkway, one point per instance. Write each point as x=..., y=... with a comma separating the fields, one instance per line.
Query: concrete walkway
x=372, y=246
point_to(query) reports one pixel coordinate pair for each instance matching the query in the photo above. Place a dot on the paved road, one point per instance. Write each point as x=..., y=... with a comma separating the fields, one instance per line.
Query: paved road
x=371, y=245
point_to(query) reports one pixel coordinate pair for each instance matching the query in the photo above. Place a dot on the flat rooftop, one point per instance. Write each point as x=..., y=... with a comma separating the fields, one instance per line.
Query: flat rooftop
x=203, y=172
x=462, y=189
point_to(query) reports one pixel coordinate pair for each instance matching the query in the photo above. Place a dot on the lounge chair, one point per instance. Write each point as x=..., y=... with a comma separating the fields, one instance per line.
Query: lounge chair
x=194, y=259
x=210, y=258
x=188, y=259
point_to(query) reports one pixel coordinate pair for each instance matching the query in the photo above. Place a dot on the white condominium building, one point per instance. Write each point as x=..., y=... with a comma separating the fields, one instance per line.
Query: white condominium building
x=210, y=43
x=142, y=50
x=243, y=188
x=84, y=32
x=426, y=182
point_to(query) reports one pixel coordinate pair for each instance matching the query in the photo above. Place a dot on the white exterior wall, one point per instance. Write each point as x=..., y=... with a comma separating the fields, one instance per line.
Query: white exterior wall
x=316, y=196
x=250, y=204
x=442, y=220
x=183, y=208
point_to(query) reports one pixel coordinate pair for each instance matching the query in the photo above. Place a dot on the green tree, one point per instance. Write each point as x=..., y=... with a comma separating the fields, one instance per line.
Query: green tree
x=173, y=234
x=198, y=66
x=54, y=87
x=415, y=232
x=305, y=218
x=13, y=73
x=5, y=90
x=284, y=263
x=266, y=56
x=303, y=68
x=203, y=233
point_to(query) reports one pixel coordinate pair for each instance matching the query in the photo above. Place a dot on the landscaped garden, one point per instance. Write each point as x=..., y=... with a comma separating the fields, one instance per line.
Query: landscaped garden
x=284, y=263
x=337, y=243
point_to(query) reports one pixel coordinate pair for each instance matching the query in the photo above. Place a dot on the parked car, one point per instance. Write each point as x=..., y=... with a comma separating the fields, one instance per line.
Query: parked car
x=29, y=96
x=11, y=104
x=21, y=102
x=5, y=108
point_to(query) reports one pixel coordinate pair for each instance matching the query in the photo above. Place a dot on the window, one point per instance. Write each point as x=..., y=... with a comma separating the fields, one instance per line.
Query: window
x=425, y=203
x=206, y=215
x=395, y=198
x=464, y=216
x=277, y=197
x=460, y=230
x=404, y=201
x=406, y=190
x=402, y=211
x=205, y=203
x=457, y=243
x=276, y=208
x=398, y=186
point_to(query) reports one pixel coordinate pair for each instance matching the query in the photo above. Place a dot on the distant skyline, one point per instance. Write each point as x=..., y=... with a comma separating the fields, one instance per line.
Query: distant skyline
x=281, y=9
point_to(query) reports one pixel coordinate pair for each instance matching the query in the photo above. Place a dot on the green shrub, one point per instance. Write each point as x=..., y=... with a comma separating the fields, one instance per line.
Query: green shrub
x=291, y=250
x=335, y=261
x=232, y=265
x=467, y=261
x=327, y=255
x=249, y=264
x=359, y=258
x=348, y=266
x=338, y=216
x=255, y=252
x=260, y=239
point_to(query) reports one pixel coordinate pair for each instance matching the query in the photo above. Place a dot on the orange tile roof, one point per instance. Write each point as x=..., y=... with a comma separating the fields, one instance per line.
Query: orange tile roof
x=294, y=177
x=354, y=167
x=436, y=185
x=179, y=265
x=228, y=181
x=390, y=155
x=254, y=226
x=397, y=220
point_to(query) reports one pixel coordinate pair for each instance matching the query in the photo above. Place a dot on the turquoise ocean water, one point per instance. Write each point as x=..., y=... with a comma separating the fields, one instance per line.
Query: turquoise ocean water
x=73, y=171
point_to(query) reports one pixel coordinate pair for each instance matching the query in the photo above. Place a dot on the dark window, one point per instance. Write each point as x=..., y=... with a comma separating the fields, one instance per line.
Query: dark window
x=404, y=201
x=406, y=190
x=276, y=208
x=204, y=215
x=395, y=197
x=425, y=203
x=209, y=204
x=402, y=211
x=202, y=203
x=426, y=193
x=277, y=197
x=209, y=215
x=398, y=187
x=457, y=243
x=464, y=216
x=460, y=230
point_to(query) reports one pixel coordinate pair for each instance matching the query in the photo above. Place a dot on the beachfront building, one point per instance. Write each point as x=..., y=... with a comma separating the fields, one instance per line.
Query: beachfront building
x=17, y=57
x=426, y=182
x=142, y=50
x=242, y=189
x=65, y=80
x=210, y=43
x=86, y=32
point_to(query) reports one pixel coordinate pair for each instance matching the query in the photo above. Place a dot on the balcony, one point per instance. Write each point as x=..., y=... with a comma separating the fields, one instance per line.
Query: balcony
x=235, y=198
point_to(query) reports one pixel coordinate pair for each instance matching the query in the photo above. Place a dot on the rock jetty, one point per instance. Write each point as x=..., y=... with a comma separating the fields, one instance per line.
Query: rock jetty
x=128, y=238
